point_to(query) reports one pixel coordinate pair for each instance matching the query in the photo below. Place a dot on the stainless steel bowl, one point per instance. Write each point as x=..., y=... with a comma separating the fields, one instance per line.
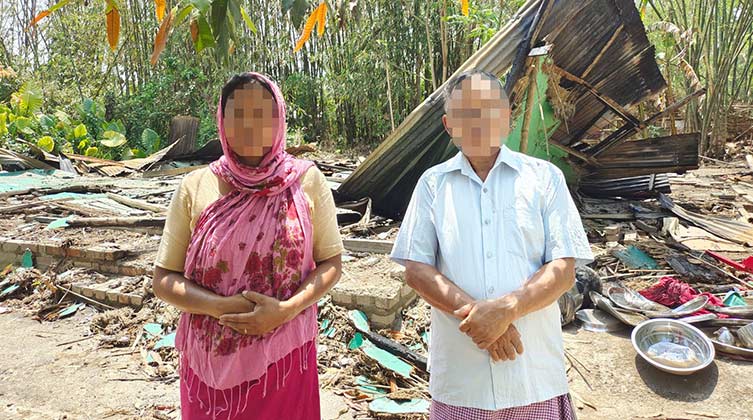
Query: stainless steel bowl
x=654, y=331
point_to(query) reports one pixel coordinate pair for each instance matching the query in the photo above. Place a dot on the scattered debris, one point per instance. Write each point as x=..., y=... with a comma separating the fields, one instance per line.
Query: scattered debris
x=634, y=257
x=80, y=234
x=391, y=406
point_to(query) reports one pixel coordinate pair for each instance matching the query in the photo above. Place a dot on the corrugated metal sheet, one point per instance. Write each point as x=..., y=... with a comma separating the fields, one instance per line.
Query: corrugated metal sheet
x=629, y=187
x=600, y=41
x=733, y=230
x=649, y=156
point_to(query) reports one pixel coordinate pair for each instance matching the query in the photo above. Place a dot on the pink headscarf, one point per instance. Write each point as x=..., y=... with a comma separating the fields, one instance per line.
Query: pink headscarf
x=257, y=237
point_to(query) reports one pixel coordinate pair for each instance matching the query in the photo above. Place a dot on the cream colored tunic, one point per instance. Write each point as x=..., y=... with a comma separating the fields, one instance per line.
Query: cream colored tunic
x=202, y=187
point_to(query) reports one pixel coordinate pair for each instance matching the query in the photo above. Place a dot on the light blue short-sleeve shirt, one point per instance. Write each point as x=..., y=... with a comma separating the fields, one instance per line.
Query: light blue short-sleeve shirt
x=489, y=238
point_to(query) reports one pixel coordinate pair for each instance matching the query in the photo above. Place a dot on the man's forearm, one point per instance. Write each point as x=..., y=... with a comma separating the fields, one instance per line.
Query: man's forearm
x=489, y=319
x=544, y=287
x=436, y=289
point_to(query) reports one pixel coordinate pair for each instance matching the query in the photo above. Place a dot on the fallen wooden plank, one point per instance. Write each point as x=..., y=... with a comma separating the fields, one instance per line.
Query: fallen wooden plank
x=9, y=157
x=359, y=321
x=54, y=190
x=116, y=221
x=91, y=159
x=368, y=245
x=614, y=106
x=16, y=207
x=172, y=171
x=609, y=216
x=84, y=210
x=138, y=204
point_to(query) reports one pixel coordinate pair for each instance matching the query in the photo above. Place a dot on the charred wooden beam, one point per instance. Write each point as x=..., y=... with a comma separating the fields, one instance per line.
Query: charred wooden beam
x=614, y=106
x=602, y=51
x=628, y=129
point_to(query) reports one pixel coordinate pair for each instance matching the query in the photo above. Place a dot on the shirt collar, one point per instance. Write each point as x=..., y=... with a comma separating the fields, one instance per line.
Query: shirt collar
x=508, y=157
x=460, y=163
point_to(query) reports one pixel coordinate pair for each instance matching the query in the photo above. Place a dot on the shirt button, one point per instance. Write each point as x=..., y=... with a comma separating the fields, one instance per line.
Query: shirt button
x=487, y=221
x=486, y=189
x=491, y=290
x=489, y=254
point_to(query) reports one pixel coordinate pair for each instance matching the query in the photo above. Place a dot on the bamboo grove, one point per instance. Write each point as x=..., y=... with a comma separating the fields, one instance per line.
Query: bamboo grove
x=348, y=86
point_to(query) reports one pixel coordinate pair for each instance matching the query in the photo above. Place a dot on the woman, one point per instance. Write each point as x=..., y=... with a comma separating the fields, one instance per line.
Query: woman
x=250, y=245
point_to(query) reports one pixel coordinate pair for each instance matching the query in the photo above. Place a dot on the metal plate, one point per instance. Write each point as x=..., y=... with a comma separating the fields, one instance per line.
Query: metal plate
x=598, y=321
x=727, y=348
x=626, y=317
x=631, y=300
x=736, y=311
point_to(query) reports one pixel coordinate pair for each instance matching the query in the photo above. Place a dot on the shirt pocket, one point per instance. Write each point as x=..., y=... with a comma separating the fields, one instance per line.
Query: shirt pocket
x=523, y=230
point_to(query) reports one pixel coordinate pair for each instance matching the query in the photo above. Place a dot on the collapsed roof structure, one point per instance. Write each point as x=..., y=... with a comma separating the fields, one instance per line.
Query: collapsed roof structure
x=583, y=64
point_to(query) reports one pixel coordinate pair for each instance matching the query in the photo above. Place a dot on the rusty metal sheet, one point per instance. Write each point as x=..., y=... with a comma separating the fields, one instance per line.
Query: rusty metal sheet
x=677, y=153
x=733, y=230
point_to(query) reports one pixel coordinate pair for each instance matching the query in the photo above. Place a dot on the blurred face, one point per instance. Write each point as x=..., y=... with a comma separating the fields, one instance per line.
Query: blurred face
x=478, y=116
x=251, y=120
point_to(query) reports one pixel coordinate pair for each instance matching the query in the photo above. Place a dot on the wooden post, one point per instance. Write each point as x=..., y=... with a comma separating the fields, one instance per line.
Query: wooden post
x=183, y=126
x=532, y=73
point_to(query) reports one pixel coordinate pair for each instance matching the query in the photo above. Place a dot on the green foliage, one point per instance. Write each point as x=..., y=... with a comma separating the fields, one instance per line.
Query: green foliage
x=180, y=88
x=336, y=87
x=297, y=8
x=483, y=21
x=3, y=124
x=113, y=139
x=9, y=83
x=27, y=100
x=22, y=123
x=46, y=143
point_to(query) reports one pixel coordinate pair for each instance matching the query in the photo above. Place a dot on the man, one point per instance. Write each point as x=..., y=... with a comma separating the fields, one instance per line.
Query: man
x=490, y=240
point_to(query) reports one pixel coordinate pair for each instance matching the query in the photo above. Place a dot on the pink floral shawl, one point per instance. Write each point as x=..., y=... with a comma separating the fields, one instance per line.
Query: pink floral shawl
x=257, y=237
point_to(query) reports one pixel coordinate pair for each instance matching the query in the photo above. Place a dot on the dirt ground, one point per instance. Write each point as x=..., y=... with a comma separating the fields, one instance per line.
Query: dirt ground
x=42, y=377
x=626, y=387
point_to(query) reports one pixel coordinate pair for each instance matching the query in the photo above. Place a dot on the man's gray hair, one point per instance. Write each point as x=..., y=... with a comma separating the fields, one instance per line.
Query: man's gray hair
x=458, y=80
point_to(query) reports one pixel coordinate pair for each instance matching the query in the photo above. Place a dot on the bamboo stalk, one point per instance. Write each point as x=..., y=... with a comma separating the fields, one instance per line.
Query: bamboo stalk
x=530, y=99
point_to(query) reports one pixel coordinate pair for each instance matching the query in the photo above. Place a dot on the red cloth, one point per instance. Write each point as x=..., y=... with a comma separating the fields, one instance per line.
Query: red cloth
x=748, y=264
x=288, y=390
x=672, y=292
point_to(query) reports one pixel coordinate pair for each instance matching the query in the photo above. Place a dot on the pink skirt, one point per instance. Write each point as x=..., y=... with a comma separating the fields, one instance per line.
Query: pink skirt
x=287, y=391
